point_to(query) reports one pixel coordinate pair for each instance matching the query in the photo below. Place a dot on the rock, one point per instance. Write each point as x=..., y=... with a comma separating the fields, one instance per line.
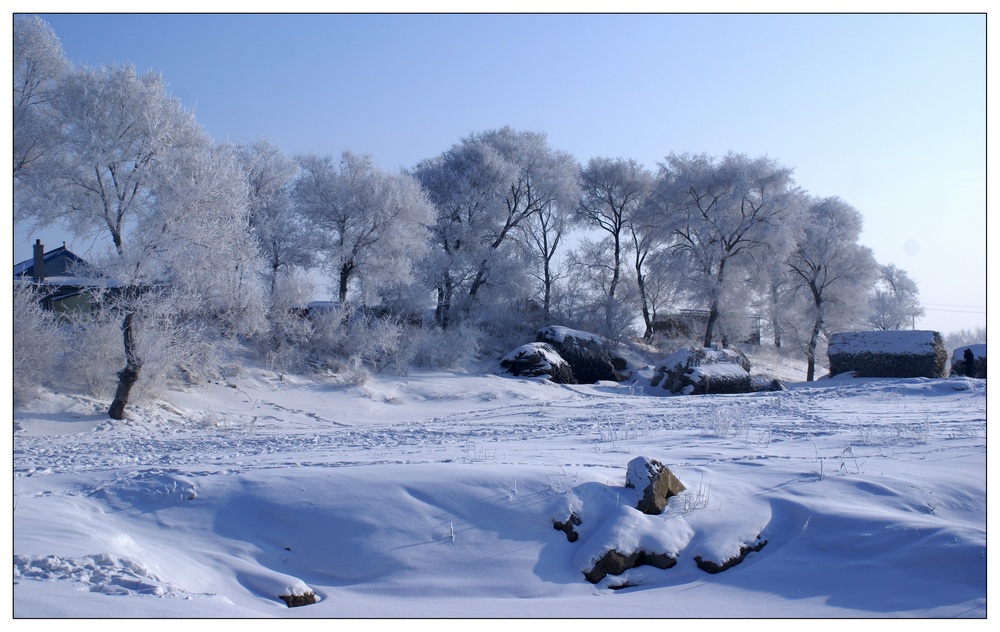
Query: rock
x=587, y=354
x=656, y=482
x=658, y=560
x=711, y=567
x=612, y=563
x=294, y=601
x=567, y=527
x=615, y=563
x=538, y=359
x=766, y=385
x=704, y=371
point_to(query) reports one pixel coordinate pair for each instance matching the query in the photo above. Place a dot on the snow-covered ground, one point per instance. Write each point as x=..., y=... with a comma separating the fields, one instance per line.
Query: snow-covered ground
x=434, y=495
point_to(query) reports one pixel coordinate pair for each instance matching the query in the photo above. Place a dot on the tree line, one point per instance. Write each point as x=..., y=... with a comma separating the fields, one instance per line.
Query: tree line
x=497, y=235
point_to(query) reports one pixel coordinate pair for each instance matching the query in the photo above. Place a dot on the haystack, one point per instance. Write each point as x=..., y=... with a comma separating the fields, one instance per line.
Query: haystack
x=888, y=354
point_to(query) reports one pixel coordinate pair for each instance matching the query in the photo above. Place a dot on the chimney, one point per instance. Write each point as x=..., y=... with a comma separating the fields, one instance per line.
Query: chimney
x=38, y=265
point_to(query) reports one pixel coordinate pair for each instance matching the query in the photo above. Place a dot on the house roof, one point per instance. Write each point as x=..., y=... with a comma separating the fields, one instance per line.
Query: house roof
x=51, y=258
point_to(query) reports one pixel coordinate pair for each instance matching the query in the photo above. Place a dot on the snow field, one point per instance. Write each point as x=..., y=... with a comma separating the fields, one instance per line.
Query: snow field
x=434, y=495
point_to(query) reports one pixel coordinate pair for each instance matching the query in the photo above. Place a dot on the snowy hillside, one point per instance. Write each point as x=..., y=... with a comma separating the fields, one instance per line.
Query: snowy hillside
x=435, y=494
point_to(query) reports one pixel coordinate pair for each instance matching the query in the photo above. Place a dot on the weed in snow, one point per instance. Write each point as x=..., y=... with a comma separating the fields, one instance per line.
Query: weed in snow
x=475, y=453
x=896, y=433
x=693, y=500
x=848, y=453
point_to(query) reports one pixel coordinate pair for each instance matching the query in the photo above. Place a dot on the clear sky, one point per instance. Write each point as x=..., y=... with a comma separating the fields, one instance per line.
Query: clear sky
x=886, y=111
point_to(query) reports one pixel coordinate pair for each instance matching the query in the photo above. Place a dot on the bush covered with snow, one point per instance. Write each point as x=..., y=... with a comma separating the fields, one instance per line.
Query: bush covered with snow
x=37, y=342
x=435, y=348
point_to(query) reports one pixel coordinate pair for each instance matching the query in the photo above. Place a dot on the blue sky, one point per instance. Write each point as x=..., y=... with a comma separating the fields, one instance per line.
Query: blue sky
x=886, y=111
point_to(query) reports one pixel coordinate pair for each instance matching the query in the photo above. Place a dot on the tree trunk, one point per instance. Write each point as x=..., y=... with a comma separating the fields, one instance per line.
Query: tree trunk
x=713, y=315
x=275, y=332
x=480, y=279
x=646, y=318
x=443, y=311
x=774, y=317
x=615, y=275
x=811, y=351
x=547, y=296
x=129, y=375
x=345, y=277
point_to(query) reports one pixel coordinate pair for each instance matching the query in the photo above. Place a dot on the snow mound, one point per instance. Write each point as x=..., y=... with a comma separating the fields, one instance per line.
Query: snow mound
x=558, y=333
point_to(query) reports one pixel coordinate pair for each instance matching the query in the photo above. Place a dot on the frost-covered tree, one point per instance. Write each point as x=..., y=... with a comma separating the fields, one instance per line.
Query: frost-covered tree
x=285, y=239
x=830, y=271
x=136, y=168
x=465, y=184
x=372, y=225
x=777, y=300
x=726, y=211
x=965, y=336
x=486, y=188
x=773, y=287
x=287, y=243
x=116, y=129
x=664, y=271
x=894, y=299
x=591, y=273
x=203, y=255
x=39, y=67
x=544, y=233
x=614, y=191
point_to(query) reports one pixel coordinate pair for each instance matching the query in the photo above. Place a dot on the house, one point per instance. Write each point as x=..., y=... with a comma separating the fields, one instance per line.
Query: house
x=60, y=277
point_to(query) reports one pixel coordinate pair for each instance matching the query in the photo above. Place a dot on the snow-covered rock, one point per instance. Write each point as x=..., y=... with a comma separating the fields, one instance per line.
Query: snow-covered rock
x=654, y=481
x=586, y=353
x=538, y=359
x=704, y=370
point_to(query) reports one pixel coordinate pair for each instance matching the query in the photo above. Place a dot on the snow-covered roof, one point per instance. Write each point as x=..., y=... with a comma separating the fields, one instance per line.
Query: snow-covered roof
x=916, y=342
x=50, y=259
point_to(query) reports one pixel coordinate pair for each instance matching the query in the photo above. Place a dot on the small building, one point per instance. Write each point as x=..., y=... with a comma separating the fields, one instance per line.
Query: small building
x=888, y=354
x=61, y=278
